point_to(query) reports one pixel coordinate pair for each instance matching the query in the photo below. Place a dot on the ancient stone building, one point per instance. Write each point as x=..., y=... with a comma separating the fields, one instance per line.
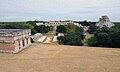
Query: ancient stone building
x=104, y=21
x=14, y=40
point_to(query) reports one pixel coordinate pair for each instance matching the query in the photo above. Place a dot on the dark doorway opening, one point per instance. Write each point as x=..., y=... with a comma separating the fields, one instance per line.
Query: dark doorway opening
x=19, y=45
x=23, y=43
x=27, y=40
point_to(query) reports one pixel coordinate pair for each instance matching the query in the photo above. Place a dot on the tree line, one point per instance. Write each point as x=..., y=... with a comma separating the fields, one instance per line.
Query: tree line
x=25, y=25
x=102, y=37
x=105, y=37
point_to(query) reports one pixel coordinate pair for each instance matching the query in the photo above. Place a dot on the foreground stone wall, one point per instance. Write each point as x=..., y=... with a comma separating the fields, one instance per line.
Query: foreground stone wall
x=14, y=44
x=4, y=47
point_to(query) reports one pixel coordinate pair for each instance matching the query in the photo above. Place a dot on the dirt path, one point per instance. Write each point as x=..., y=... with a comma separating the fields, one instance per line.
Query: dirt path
x=60, y=58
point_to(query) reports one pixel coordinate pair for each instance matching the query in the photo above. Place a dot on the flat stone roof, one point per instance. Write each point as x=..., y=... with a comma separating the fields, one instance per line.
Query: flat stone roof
x=11, y=32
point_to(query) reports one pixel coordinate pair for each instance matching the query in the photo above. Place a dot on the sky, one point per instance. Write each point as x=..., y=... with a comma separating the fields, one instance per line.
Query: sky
x=91, y=10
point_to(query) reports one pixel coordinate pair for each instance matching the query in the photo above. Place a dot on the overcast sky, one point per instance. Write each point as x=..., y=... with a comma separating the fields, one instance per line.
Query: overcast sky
x=91, y=10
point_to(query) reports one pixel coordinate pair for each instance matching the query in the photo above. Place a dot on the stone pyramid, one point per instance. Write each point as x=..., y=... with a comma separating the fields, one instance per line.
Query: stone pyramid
x=104, y=21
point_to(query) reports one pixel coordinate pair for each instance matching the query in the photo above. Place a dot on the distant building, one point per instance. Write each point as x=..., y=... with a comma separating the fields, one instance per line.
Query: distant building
x=38, y=24
x=57, y=23
x=14, y=40
x=54, y=24
x=104, y=21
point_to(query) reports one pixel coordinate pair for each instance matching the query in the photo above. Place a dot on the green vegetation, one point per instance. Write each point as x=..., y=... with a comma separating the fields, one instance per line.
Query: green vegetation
x=42, y=29
x=71, y=39
x=73, y=35
x=106, y=37
x=93, y=29
x=92, y=41
x=103, y=39
x=70, y=28
x=61, y=29
x=116, y=23
x=25, y=25
x=86, y=23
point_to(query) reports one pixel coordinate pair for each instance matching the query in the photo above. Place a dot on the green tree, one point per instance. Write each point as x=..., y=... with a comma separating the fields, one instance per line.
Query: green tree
x=61, y=29
x=115, y=36
x=105, y=29
x=92, y=41
x=60, y=40
x=85, y=23
x=93, y=29
x=42, y=29
x=71, y=39
x=79, y=30
x=103, y=39
x=70, y=28
x=115, y=39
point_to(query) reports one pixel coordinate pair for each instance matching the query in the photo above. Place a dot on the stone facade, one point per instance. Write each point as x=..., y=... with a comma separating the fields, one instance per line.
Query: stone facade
x=57, y=23
x=104, y=21
x=14, y=40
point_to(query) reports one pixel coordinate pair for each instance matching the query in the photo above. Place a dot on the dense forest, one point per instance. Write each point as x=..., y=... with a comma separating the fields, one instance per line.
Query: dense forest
x=102, y=37
x=73, y=35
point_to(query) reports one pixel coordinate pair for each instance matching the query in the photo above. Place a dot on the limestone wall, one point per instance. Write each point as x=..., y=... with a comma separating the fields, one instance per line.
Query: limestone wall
x=14, y=44
x=6, y=47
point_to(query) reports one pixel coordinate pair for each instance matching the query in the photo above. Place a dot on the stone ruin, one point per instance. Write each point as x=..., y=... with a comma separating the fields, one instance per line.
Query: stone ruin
x=14, y=40
x=104, y=21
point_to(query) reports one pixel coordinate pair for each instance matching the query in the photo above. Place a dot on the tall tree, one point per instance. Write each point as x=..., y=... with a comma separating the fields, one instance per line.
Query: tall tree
x=61, y=29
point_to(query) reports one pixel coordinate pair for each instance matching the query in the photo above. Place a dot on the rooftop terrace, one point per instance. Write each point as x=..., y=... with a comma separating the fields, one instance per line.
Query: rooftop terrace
x=12, y=32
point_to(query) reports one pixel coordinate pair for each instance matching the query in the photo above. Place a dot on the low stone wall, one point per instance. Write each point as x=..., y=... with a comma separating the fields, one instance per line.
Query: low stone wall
x=18, y=50
x=12, y=49
x=4, y=47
